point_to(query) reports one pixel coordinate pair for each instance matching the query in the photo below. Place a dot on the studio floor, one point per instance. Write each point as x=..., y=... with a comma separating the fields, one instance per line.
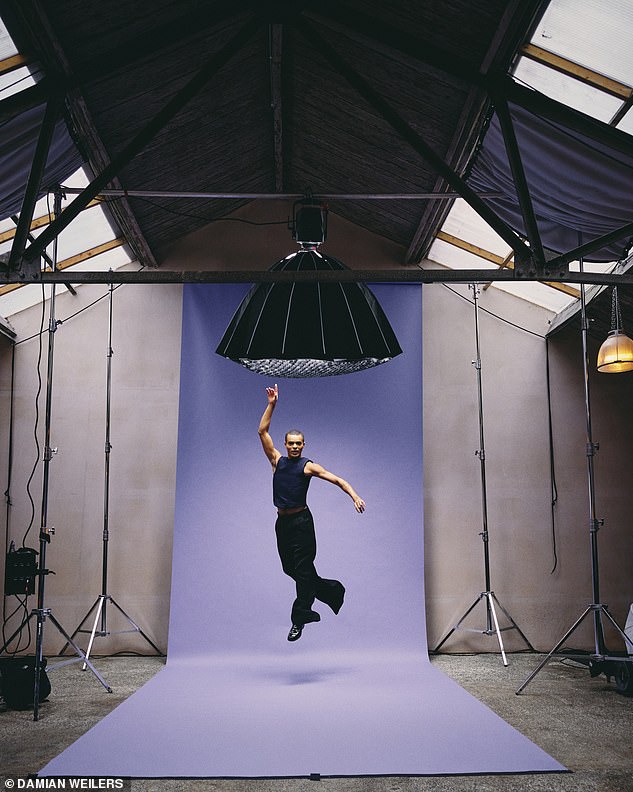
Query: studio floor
x=583, y=723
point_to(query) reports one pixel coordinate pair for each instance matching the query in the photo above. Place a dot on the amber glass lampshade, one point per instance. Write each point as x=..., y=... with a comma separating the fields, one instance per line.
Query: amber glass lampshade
x=616, y=353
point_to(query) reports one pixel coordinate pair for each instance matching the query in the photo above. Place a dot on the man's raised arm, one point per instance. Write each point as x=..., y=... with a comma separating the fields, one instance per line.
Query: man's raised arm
x=312, y=469
x=264, y=426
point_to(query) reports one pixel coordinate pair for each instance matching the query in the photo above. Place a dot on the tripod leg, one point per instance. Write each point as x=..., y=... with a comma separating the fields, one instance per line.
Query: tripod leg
x=136, y=627
x=456, y=627
x=627, y=641
x=79, y=626
x=94, y=628
x=491, y=606
x=554, y=650
x=512, y=622
x=79, y=653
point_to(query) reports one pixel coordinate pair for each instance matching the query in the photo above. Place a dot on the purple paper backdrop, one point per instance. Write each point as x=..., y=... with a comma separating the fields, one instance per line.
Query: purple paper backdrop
x=357, y=694
x=365, y=427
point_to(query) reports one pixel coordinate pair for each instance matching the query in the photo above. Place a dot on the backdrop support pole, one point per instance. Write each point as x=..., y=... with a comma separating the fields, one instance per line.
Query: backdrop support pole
x=488, y=596
x=100, y=625
x=40, y=612
x=596, y=608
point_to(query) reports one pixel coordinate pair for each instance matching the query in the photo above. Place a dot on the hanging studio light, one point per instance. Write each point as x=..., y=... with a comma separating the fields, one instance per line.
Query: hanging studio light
x=300, y=329
x=616, y=353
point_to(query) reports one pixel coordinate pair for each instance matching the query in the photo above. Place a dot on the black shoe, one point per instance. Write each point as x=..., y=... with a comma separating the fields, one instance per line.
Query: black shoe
x=337, y=603
x=295, y=632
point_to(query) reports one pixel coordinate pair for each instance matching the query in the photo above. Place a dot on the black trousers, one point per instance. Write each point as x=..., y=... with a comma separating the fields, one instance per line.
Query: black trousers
x=296, y=543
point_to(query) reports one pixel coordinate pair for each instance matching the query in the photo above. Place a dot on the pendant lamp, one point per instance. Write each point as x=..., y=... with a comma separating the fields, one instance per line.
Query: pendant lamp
x=616, y=353
x=300, y=329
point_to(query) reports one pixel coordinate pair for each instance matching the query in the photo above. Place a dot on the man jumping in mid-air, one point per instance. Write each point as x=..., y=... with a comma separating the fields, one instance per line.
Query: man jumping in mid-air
x=294, y=528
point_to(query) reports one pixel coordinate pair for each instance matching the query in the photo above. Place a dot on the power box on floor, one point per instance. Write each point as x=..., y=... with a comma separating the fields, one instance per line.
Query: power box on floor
x=17, y=681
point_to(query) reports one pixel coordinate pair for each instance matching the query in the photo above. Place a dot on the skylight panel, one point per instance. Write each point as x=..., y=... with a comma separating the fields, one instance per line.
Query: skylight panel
x=626, y=124
x=567, y=90
x=13, y=79
x=550, y=299
x=90, y=232
x=465, y=223
x=592, y=33
x=7, y=47
x=457, y=258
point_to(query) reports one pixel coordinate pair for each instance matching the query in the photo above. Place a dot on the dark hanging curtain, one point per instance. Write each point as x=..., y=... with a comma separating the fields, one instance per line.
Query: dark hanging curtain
x=580, y=188
x=18, y=139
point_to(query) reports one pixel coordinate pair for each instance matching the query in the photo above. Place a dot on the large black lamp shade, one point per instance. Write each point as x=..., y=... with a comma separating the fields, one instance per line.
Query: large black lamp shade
x=300, y=329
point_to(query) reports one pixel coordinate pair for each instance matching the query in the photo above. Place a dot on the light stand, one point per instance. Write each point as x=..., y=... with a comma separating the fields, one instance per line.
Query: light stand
x=100, y=626
x=596, y=608
x=488, y=596
x=46, y=531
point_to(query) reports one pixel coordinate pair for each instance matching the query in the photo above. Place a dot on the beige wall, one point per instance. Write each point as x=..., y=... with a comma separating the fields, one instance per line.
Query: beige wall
x=544, y=603
x=145, y=372
x=144, y=413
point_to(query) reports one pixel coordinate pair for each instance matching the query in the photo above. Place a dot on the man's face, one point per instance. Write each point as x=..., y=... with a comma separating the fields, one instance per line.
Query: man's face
x=294, y=445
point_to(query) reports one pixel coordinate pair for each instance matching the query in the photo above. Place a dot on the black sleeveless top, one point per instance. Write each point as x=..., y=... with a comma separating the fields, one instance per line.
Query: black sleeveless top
x=290, y=484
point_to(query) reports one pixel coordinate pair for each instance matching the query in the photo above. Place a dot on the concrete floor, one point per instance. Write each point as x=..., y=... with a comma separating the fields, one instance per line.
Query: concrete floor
x=582, y=722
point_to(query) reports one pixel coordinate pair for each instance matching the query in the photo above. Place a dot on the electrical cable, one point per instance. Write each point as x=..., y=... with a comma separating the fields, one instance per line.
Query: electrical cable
x=195, y=216
x=22, y=605
x=37, y=419
x=553, y=484
x=7, y=492
x=491, y=313
x=552, y=464
x=73, y=315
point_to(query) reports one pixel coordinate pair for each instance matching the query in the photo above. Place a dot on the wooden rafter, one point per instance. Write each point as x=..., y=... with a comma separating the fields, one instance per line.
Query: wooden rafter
x=578, y=72
x=85, y=255
x=13, y=62
x=39, y=222
x=500, y=261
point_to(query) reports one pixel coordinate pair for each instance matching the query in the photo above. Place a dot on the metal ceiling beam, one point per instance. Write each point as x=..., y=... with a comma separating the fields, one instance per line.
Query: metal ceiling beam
x=142, y=138
x=595, y=244
x=520, y=181
x=33, y=26
x=496, y=82
x=29, y=199
x=20, y=102
x=45, y=257
x=501, y=262
x=408, y=134
x=78, y=258
x=417, y=275
x=280, y=196
x=518, y=17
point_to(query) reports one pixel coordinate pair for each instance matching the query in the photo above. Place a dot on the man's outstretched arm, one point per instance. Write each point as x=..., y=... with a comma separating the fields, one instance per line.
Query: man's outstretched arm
x=264, y=426
x=312, y=469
